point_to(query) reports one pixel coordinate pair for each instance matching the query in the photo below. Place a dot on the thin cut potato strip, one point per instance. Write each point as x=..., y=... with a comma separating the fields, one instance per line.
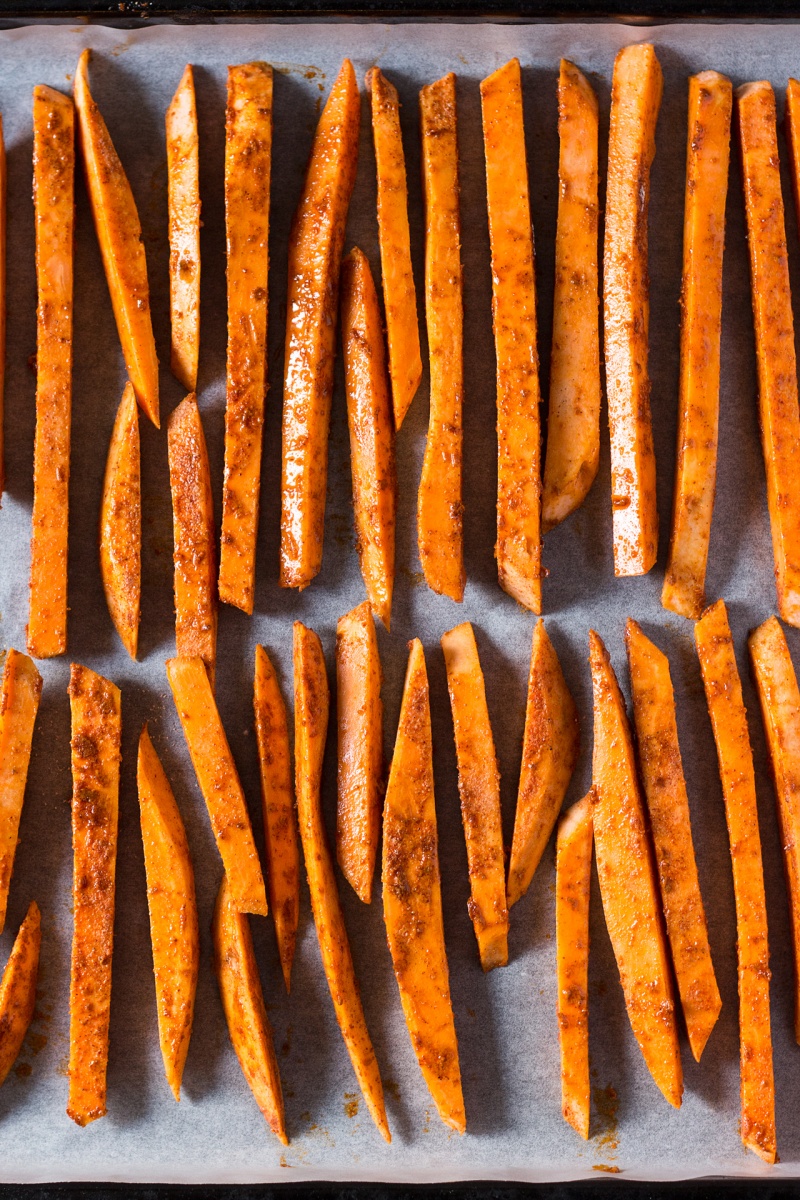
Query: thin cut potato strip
x=3, y=203
x=121, y=524
x=573, y=877
x=18, y=989
x=183, y=189
x=792, y=127
x=20, y=691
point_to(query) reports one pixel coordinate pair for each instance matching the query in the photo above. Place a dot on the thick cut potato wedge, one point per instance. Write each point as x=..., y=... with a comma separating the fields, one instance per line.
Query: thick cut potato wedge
x=573, y=417
x=96, y=732
x=18, y=989
x=573, y=877
x=54, y=207
x=183, y=186
x=248, y=159
x=280, y=821
x=412, y=898
x=635, y=101
x=519, y=533
x=628, y=884
x=479, y=789
x=707, y=155
x=245, y=1011
x=399, y=294
x=174, y=930
x=774, y=331
x=440, y=512
x=310, y=727
x=121, y=524
x=369, y=415
x=20, y=691
x=218, y=781
x=3, y=199
x=668, y=806
x=119, y=235
x=729, y=721
x=549, y=753
x=193, y=533
x=359, y=714
x=315, y=254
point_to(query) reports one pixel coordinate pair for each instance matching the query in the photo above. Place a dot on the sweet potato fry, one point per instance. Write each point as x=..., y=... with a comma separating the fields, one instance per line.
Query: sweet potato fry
x=369, y=415
x=479, y=789
x=635, y=101
x=573, y=418
x=315, y=254
x=20, y=690
x=193, y=532
x=792, y=128
x=628, y=881
x=729, y=721
x=218, y=781
x=18, y=989
x=119, y=235
x=549, y=753
x=412, y=898
x=440, y=512
x=360, y=748
x=245, y=1012
x=183, y=184
x=519, y=490
x=280, y=821
x=774, y=332
x=573, y=877
x=96, y=730
x=3, y=189
x=707, y=155
x=310, y=727
x=248, y=158
x=54, y=206
x=171, y=901
x=668, y=805
x=121, y=524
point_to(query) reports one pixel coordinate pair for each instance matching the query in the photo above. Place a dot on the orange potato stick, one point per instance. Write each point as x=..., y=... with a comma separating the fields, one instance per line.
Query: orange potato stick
x=519, y=533
x=573, y=877
x=119, y=235
x=399, y=294
x=121, y=524
x=668, y=806
x=310, y=727
x=774, y=332
x=315, y=254
x=54, y=206
x=792, y=127
x=635, y=101
x=412, y=898
x=280, y=821
x=479, y=789
x=96, y=730
x=218, y=781
x=18, y=989
x=369, y=415
x=549, y=753
x=628, y=883
x=174, y=931
x=707, y=155
x=245, y=1011
x=183, y=185
x=573, y=418
x=248, y=160
x=3, y=189
x=193, y=532
x=20, y=691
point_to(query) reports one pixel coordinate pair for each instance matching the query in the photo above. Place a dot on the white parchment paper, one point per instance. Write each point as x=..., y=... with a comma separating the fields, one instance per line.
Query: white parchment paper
x=506, y=1021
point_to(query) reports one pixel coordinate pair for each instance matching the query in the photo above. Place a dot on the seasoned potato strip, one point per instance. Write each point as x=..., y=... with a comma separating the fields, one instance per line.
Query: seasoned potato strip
x=18, y=989
x=54, y=206
x=792, y=127
x=3, y=190
x=20, y=691
x=573, y=877
x=183, y=185
x=121, y=524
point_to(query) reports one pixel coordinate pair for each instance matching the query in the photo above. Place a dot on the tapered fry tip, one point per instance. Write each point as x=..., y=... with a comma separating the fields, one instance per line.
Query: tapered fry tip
x=749, y=89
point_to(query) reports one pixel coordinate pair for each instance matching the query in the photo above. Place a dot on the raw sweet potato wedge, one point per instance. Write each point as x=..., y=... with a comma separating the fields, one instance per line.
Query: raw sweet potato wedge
x=20, y=690
x=573, y=877
x=54, y=209
x=628, y=883
x=519, y=488
x=18, y=989
x=183, y=188
x=3, y=198
x=549, y=753
x=412, y=898
x=479, y=789
x=119, y=235
x=121, y=524
x=315, y=254
x=96, y=732
x=218, y=781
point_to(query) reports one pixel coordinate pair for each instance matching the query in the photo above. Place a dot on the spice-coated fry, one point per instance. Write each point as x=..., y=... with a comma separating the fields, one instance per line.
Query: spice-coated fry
x=183, y=183
x=20, y=690
x=18, y=989
x=121, y=524
x=573, y=876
